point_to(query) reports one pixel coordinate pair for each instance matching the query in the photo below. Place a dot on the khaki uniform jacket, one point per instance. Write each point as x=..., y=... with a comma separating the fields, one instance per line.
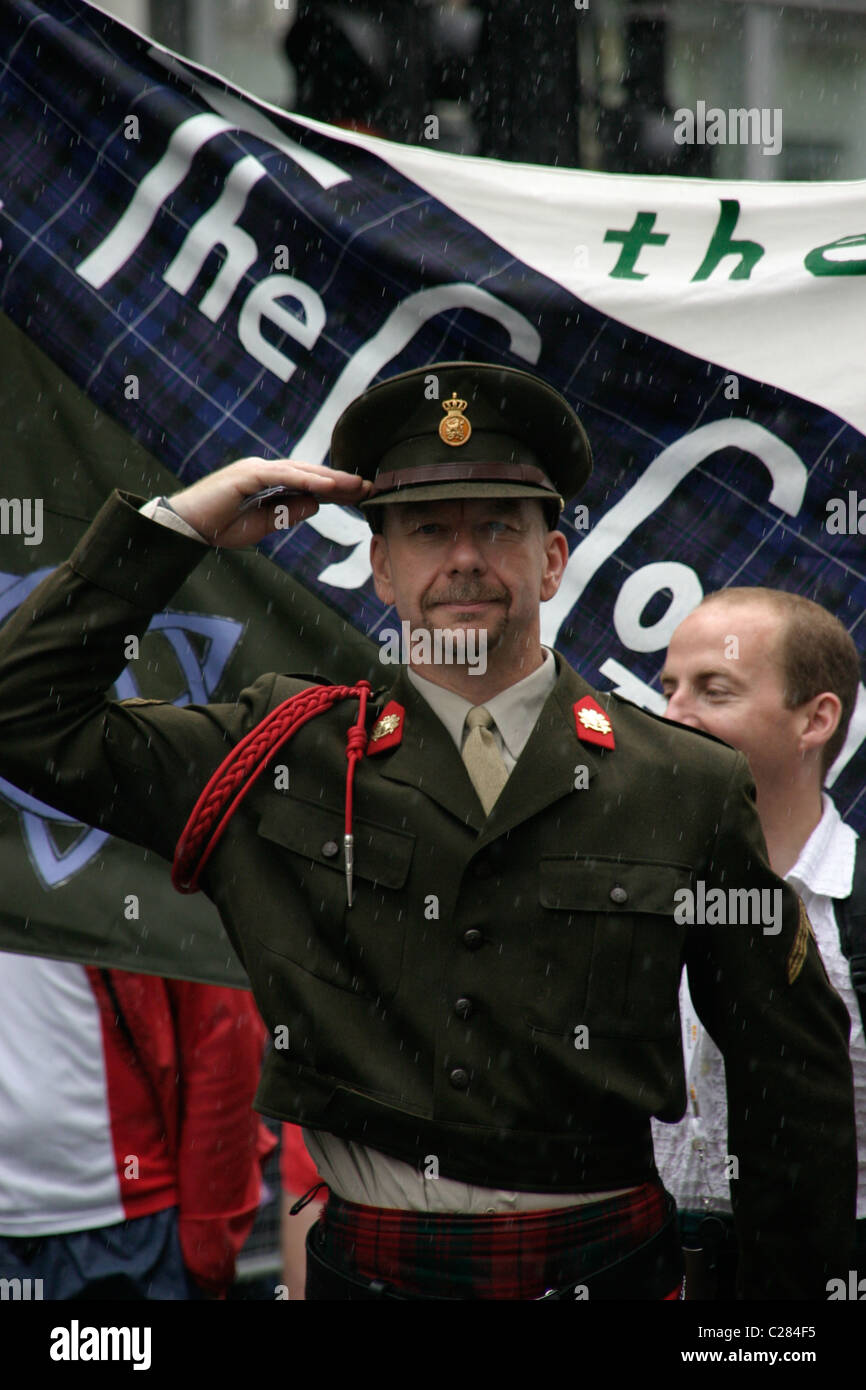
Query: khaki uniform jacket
x=552, y=922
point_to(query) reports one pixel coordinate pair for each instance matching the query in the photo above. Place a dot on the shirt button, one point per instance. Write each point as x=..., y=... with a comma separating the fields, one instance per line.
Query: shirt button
x=330, y=848
x=473, y=939
x=463, y=1008
x=459, y=1078
x=618, y=894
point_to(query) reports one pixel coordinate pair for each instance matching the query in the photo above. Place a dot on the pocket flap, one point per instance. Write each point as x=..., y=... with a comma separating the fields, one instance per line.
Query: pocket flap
x=382, y=854
x=602, y=883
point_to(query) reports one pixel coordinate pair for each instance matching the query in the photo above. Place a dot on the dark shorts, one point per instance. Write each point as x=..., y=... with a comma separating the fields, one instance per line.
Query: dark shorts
x=137, y=1259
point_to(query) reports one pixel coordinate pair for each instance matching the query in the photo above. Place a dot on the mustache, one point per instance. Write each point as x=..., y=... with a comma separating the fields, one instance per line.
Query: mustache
x=465, y=593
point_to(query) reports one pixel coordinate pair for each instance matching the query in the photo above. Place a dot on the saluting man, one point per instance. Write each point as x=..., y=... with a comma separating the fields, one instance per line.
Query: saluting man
x=465, y=918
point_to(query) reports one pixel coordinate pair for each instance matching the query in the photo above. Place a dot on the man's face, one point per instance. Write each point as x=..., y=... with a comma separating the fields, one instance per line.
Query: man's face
x=723, y=674
x=469, y=563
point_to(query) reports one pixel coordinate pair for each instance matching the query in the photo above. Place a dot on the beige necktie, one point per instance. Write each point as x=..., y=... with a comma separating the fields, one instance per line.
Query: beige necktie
x=482, y=758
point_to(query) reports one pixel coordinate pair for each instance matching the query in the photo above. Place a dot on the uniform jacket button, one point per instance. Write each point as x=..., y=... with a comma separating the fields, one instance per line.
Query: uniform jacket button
x=459, y=1078
x=463, y=1007
x=473, y=939
x=618, y=894
x=482, y=868
x=330, y=848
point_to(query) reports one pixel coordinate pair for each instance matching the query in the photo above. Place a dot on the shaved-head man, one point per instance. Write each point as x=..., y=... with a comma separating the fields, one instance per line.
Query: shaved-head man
x=776, y=676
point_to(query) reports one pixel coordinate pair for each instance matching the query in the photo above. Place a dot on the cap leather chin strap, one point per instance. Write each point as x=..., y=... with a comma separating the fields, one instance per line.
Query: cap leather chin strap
x=461, y=472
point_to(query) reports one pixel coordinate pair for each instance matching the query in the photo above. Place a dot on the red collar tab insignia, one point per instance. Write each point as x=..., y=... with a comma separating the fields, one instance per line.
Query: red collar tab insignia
x=593, y=725
x=388, y=729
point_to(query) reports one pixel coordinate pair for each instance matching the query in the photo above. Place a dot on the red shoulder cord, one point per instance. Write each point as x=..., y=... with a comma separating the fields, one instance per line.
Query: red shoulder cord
x=226, y=789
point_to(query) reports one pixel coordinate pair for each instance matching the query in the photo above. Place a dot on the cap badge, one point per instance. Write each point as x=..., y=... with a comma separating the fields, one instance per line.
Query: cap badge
x=455, y=428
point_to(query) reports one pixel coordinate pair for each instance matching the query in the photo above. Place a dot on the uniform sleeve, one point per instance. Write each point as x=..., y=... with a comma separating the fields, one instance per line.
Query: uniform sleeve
x=222, y=1141
x=762, y=992
x=133, y=768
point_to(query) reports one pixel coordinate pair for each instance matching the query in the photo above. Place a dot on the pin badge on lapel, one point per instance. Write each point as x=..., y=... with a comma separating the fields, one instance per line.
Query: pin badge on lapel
x=592, y=724
x=388, y=729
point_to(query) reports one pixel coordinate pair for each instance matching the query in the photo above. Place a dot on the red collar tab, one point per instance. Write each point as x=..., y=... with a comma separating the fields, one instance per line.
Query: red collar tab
x=592, y=723
x=387, y=731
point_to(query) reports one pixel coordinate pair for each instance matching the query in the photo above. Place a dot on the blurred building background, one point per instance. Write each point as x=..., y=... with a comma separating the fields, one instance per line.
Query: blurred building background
x=586, y=83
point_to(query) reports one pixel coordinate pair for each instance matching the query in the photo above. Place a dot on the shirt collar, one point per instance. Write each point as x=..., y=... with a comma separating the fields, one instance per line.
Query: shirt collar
x=515, y=709
x=826, y=862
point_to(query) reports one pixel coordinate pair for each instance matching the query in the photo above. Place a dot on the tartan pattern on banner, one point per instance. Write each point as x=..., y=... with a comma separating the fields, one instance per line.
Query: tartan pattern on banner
x=374, y=248
x=501, y=1256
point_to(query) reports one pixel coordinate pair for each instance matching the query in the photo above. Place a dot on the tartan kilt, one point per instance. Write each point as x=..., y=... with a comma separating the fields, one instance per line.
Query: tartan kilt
x=506, y=1255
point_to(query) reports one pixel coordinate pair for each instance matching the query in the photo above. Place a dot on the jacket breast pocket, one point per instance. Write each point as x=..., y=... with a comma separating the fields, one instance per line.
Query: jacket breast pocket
x=609, y=954
x=357, y=948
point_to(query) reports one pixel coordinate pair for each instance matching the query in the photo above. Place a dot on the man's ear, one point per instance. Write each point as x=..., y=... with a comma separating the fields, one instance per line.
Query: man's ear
x=555, y=561
x=380, y=562
x=823, y=713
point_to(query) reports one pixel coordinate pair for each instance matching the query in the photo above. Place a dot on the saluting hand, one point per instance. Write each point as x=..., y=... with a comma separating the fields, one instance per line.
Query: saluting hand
x=211, y=505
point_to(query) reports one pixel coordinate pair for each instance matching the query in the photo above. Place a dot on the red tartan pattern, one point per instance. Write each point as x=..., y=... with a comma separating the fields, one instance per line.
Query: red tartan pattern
x=503, y=1256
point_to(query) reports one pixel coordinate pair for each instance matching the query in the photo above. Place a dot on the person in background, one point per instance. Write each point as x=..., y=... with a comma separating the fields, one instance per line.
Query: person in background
x=776, y=676
x=130, y=1156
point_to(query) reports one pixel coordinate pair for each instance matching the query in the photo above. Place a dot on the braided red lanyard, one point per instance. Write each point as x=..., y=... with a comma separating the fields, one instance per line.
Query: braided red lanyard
x=226, y=789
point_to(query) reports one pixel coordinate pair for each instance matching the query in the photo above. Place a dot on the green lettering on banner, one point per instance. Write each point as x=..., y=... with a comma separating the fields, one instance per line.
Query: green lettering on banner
x=639, y=235
x=721, y=245
x=817, y=264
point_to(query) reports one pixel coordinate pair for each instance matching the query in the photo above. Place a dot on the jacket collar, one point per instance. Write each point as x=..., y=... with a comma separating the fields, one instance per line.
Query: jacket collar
x=426, y=758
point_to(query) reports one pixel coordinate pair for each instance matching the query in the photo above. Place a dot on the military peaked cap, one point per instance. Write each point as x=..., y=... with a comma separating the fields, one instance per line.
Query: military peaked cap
x=463, y=429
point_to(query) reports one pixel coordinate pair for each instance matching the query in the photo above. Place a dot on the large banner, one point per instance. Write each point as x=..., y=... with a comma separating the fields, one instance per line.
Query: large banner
x=189, y=276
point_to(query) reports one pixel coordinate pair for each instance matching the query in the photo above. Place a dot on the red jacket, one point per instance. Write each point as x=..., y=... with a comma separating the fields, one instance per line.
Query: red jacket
x=192, y=1053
